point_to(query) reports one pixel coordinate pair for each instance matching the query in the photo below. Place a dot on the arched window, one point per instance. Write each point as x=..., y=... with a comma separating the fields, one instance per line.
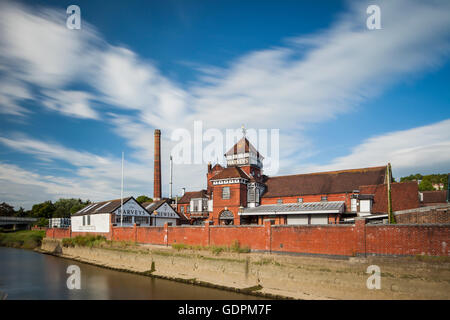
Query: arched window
x=226, y=217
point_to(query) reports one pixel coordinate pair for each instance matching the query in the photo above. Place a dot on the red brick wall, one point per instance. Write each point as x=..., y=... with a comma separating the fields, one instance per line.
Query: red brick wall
x=342, y=240
x=252, y=237
x=408, y=240
x=154, y=235
x=188, y=235
x=329, y=240
x=439, y=214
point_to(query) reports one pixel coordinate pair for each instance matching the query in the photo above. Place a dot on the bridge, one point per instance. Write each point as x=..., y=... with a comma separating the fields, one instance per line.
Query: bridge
x=16, y=222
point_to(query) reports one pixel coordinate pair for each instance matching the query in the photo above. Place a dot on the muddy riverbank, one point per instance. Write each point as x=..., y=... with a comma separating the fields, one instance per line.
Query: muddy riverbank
x=273, y=275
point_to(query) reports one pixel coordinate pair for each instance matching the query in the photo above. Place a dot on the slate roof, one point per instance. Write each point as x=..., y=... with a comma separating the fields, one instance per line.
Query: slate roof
x=296, y=208
x=243, y=146
x=323, y=182
x=152, y=206
x=101, y=207
x=230, y=172
x=186, y=198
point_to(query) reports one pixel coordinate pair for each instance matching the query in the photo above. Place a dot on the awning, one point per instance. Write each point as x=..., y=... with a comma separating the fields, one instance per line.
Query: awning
x=295, y=208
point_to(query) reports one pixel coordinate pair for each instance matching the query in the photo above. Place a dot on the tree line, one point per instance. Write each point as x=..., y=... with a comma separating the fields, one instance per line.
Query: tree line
x=427, y=181
x=62, y=208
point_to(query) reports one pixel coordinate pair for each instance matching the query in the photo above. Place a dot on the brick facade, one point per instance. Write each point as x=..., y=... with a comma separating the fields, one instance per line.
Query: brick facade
x=432, y=214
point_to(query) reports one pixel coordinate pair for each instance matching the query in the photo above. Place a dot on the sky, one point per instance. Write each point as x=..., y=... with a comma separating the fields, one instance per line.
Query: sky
x=340, y=95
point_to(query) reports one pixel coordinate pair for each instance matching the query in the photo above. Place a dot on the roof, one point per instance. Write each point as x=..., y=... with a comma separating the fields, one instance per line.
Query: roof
x=405, y=195
x=323, y=182
x=101, y=207
x=243, y=146
x=438, y=196
x=296, y=208
x=230, y=172
x=186, y=198
x=151, y=206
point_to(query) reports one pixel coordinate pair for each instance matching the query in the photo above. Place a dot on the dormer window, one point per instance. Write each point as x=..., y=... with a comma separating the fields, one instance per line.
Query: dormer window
x=324, y=198
x=280, y=201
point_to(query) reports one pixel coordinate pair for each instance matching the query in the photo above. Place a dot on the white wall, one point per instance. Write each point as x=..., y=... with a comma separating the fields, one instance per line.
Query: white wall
x=297, y=219
x=99, y=223
x=159, y=222
x=165, y=213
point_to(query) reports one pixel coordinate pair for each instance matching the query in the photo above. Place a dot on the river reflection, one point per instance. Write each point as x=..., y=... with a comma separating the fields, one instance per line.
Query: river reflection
x=30, y=275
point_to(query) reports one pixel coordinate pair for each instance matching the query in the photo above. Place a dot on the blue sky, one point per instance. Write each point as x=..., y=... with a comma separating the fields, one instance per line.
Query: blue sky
x=342, y=96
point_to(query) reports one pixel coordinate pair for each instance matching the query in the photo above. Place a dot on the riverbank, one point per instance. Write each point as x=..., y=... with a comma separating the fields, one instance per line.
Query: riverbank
x=25, y=239
x=271, y=275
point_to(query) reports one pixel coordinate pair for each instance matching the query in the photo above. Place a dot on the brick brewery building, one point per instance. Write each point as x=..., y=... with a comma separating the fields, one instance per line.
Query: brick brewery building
x=240, y=193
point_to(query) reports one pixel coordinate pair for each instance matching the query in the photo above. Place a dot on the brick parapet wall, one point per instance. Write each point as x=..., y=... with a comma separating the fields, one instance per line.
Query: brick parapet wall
x=434, y=214
x=328, y=240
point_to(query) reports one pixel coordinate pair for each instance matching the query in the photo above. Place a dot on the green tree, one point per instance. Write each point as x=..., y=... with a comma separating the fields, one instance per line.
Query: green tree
x=43, y=210
x=65, y=207
x=426, y=185
x=142, y=199
x=6, y=210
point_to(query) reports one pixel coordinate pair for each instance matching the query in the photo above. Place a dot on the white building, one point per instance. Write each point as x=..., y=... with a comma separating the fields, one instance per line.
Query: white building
x=161, y=212
x=59, y=223
x=98, y=216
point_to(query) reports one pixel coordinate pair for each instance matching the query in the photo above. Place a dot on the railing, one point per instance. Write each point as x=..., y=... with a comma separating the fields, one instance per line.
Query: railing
x=20, y=219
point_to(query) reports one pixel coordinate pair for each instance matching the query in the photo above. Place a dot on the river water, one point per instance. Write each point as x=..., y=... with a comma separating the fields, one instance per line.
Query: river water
x=27, y=274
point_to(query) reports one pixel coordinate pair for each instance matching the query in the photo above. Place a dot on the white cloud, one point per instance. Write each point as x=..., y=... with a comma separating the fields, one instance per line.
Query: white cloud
x=423, y=150
x=311, y=79
x=71, y=103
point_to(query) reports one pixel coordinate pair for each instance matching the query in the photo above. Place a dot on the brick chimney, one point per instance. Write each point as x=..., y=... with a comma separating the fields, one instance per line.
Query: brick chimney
x=157, y=167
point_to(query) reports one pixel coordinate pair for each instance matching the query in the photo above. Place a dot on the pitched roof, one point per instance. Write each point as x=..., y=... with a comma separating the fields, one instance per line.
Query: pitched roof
x=323, y=182
x=438, y=196
x=151, y=206
x=230, y=172
x=405, y=195
x=186, y=198
x=101, y=207
x=243, y=146
x=296, y=208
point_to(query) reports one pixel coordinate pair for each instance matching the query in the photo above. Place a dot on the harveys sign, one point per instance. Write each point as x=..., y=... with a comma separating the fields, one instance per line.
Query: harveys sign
x=132, y=208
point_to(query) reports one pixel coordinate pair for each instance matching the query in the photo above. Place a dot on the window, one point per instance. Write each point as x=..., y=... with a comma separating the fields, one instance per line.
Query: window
x=187, y=208
x=251, y=194
x=126, y=219
x=280, y=201
x=84, y=220
x=353, y=205
x=300, y=200
x=141, y=220
x=323, y=198
x=182, y=209
x=89, y=220
x=226, y=193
